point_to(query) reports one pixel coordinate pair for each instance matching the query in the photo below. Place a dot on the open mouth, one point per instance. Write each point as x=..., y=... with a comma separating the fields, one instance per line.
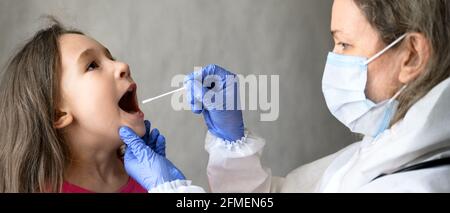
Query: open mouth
x=128, y=102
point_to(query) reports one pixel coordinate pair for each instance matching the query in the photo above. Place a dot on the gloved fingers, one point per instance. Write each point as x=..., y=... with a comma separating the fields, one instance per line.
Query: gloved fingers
x=161, y=145
x=194, y=92
x=147, y=126
x=212, y=77
x=199, y=97
x=146, y=136
x=153, y=137
x=135, y=144
x=211, y=69
x=193, y=76
x=214, y=69
x=154, y=134
x=129, y=156
x=213, y=99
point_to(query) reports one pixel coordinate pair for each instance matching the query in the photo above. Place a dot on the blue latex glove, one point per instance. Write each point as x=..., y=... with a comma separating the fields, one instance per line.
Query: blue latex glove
x=143, y=163
x=154, y=139
x=222, y=119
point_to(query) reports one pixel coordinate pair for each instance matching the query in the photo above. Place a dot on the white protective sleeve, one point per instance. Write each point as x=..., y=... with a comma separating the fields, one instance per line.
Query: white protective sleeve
x=236, y=167
x=177, y=186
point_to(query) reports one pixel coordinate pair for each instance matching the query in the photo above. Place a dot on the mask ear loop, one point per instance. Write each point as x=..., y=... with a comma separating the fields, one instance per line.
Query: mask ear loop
x=389, y=113
x=398, y=93
x=385, y=49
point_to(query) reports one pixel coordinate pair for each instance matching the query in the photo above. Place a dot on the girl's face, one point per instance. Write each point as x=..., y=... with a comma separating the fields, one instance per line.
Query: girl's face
x=98, y=94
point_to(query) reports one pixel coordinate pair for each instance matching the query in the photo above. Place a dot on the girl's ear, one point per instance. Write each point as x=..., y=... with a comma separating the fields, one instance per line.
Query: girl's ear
x=63, y=119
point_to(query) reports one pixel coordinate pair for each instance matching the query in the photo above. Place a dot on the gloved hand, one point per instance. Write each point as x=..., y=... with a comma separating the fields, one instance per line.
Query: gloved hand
x=149, y=167
x=222, y=117
x=154, y=139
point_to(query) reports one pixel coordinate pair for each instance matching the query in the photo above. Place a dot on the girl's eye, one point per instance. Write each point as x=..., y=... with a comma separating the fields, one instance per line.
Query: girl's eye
x=92, y=66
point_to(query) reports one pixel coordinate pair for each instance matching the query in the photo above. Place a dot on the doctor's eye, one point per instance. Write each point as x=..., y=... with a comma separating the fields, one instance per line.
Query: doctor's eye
x=92, y=66
x=343, y=46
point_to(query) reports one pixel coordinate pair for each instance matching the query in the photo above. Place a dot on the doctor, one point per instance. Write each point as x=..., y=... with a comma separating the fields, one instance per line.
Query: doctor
x=387, y=78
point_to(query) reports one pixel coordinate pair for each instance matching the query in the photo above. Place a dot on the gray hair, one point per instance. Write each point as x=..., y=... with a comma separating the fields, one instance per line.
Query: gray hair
x=392, y=18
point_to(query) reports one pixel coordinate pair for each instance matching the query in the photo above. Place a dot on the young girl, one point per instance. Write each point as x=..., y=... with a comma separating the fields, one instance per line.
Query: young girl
x=63, y=98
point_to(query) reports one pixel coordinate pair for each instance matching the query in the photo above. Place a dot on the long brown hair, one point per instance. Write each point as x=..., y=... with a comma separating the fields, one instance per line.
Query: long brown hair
x=32, y=152
x=392, y=18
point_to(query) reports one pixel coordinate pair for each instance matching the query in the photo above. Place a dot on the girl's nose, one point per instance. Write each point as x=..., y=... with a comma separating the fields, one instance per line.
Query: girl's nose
x=122, y=71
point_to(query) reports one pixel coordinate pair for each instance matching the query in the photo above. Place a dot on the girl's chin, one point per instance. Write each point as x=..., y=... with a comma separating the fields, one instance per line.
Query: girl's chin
x=138, y=129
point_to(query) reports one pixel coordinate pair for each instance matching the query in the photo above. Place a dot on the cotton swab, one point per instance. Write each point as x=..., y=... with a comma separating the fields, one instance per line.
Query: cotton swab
x=160, y=96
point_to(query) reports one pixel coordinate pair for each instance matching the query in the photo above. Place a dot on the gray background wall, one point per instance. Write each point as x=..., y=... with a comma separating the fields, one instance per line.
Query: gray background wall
x=162, y=38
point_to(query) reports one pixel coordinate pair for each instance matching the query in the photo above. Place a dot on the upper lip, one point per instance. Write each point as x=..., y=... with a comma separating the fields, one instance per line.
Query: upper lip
x=128, y=100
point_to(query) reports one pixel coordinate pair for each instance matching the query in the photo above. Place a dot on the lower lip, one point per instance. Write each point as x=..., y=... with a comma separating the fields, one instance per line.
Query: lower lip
x=140, y=114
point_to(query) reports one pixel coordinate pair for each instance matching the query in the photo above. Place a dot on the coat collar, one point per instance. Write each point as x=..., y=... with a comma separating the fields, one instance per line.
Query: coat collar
x=423, y=134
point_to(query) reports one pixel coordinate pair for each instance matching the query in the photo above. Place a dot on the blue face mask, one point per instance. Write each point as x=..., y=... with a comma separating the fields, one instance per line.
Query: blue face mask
x=344, y=84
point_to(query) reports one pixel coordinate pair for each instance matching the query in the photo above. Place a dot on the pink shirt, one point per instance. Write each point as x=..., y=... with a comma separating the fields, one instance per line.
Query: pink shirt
x=131, y=187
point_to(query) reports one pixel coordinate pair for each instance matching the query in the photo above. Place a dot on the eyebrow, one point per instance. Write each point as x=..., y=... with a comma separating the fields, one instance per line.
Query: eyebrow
x=108, y=53
x=85, y=54
x=334, y=32
x=91, y=51
x=341, y=35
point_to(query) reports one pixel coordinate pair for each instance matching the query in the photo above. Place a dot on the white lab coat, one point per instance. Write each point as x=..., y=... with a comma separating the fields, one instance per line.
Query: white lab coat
x=423, y=134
